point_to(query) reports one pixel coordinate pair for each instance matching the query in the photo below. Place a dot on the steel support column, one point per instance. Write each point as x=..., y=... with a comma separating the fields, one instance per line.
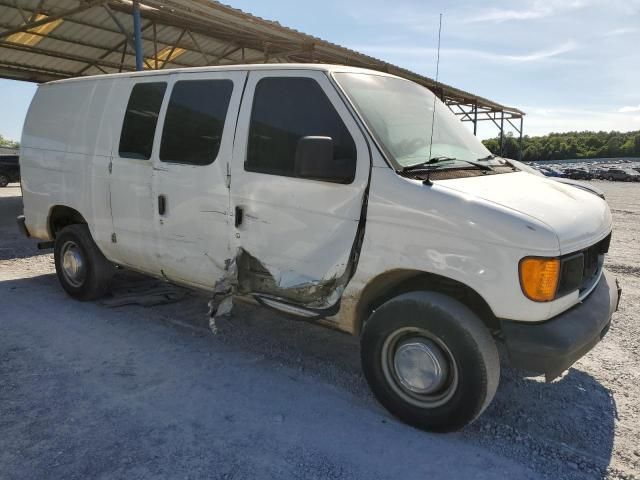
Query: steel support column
x=520, y=140
x=501, y=132
x=137, y=34
x=475, y=118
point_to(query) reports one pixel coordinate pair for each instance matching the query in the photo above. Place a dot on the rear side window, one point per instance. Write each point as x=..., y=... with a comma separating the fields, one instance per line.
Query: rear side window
x=285, y=110
x=194, y=121
x=140, y=119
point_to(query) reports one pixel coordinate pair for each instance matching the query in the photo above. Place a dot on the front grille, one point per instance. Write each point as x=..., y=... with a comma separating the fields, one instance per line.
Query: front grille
x=591, y=262
x=579, y=270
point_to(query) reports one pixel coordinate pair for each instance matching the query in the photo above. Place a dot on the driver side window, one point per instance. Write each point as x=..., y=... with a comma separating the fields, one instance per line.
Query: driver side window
x=286, y=109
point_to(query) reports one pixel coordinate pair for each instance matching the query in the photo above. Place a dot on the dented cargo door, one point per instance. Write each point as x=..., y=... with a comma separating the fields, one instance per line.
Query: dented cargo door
x=191, y=197
x=295, y=229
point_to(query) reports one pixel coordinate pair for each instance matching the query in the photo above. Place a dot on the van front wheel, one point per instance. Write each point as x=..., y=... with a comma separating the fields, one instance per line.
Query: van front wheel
x=430, y=360
x=82, y=270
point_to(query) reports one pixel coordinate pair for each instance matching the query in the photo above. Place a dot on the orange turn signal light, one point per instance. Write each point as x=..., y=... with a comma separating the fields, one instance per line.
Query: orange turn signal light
x=539, y=278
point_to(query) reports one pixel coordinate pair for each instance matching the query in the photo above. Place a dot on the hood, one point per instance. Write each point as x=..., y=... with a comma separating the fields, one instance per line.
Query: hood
x=583, y=185
x=579, y=218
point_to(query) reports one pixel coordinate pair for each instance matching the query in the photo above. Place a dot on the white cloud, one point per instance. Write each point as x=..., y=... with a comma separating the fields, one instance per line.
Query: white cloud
x=499, y=16
x=629, y=109
x=480, y=54
x=541, y=54
x=536, y=9
x=619, y=31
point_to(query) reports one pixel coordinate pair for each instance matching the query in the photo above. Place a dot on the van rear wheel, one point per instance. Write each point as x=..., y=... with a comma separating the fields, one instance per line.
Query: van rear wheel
x=430, y=361
x=82, y=270
x=4, y=180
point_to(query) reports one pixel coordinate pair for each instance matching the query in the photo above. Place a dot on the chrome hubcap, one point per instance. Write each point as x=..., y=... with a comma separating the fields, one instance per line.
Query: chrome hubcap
x=73, y=266
x=420, y=365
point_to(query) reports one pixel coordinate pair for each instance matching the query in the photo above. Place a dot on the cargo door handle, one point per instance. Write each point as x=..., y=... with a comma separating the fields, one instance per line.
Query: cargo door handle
x=162, y=204
x=239, y=216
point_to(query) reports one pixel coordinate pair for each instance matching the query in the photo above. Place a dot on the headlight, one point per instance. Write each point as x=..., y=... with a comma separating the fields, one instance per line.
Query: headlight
x=539, y=278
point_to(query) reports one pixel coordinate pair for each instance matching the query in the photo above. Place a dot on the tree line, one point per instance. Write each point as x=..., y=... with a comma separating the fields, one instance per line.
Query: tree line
x=560, y=146
x=554, y=146
x=5, y=142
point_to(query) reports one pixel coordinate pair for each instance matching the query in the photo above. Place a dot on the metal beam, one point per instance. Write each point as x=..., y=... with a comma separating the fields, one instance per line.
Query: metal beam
x=38, y=8
x=137, y=34
x=520, y=140
x=124, y=31
x=55, y=54
x=513, y=124
x=60, y=38
x=195, y=42
x=173, y=48
x=102, y=28
x=175, y=14
x=23, y=67
x=155, y=46
x=101, y=69
x=229, y=49
x=25, y=19
x=111, y=50
x=502, y=133
x=466, y=116
x=124, y=53
x=52, y=18
x=475, y=118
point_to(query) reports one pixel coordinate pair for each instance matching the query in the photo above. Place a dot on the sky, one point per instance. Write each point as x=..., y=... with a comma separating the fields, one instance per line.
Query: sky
x=569, y=64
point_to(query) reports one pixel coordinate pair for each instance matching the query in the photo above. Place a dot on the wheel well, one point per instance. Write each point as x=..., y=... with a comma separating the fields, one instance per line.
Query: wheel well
x=393, y=283
x=61, y=216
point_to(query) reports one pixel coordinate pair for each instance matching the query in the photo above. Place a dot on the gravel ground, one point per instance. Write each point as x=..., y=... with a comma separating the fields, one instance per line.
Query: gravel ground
x=92, y=391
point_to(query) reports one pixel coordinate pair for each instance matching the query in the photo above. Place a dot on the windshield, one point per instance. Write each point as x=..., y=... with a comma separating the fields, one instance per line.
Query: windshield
x=400, y=112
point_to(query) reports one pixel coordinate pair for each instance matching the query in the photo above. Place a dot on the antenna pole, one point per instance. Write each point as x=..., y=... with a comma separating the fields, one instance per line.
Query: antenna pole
x=433, y=113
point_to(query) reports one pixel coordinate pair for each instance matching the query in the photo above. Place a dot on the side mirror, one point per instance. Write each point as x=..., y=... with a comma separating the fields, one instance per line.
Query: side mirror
x=314, y=160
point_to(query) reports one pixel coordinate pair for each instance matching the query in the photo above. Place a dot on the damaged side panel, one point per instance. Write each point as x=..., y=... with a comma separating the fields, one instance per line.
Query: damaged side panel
x=255, y=277
x=298, y=240
x=319, y=297
x=247, y=275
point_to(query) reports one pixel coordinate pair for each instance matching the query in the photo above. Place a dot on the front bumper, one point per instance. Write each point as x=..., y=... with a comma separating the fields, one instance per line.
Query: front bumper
x=553, y=346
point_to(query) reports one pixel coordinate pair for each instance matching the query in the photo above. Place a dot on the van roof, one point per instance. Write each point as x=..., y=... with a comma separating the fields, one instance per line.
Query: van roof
x=218, y=68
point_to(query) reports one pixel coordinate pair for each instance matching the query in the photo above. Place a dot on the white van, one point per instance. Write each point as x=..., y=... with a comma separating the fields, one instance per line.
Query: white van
x=325, y=192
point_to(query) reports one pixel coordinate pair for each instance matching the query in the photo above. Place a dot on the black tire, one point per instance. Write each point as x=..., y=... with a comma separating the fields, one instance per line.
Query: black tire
x=474, y=364
x=4, y=180
x=96, y=272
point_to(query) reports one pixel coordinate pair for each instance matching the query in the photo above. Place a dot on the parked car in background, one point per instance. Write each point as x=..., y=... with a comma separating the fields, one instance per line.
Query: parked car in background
x=552, y=172
x=578, y=174
x=598, y=173
x=9, y=169
x=622, y=175
x=588, y=187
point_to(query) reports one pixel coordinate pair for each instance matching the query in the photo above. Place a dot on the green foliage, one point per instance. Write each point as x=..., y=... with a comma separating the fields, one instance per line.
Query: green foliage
x=5, y=142
x=559, y=146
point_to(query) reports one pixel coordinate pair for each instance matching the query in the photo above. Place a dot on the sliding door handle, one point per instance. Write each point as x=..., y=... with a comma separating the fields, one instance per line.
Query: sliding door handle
x=162, y=204
x=239, y=216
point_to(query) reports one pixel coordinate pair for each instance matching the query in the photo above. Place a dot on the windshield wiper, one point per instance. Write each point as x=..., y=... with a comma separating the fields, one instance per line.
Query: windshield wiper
x=491, y=156
x=432, y=164
x=428, y=163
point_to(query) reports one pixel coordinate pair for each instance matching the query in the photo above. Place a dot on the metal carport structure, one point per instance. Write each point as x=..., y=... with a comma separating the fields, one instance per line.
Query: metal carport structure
x=43, y=40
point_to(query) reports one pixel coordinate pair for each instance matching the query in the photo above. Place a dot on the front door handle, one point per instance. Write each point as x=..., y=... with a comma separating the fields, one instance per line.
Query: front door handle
x=162, y=204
